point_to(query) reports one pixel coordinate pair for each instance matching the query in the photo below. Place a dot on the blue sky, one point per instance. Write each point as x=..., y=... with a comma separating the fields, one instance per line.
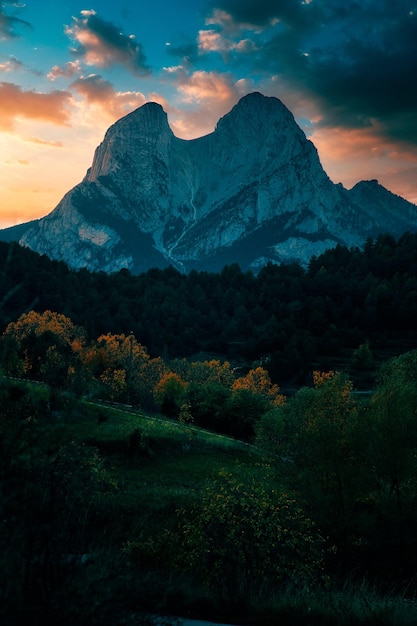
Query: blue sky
x=347, y=70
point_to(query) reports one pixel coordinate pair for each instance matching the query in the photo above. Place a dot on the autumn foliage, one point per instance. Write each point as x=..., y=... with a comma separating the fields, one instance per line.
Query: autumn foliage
x=118, y=367
x=258, y=381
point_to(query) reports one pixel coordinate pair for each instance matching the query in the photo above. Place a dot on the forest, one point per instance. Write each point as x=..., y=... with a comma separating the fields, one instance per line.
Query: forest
x=289, y=318
x=231, y=447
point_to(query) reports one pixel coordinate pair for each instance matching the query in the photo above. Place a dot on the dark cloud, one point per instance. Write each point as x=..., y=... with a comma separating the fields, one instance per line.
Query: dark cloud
x=371, y=73
x=263, y=12
x=102, y=44
x=188, y=53
x=9, y=23
x=94, y=88
x=358, y=59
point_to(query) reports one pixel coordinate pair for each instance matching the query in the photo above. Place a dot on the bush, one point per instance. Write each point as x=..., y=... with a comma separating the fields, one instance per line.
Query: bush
x=243, y=540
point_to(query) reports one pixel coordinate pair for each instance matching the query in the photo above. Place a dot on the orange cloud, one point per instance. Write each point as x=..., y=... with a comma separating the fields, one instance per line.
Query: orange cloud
x=44, y=142
x=16, y=103
x=229, y=24
x=101, y=93
x=69, y=70
x=213, y=41
x=350, y=155
x=18, y=161
x=212, y=94
x=207, y=86
x=102, y=44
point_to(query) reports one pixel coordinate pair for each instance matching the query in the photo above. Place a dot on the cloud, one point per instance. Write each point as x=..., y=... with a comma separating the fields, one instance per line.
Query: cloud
x=235, y=15
x=358, y=60
x=207, y=96
x=10, y=65
x=44, y=142
x=214, y=41
x=17, y=161
x=202, y=86
x=9, y=23
x=69, y=70
x=352, y=154
x=188, y=52
x=16, y=103
x=102, y=44
x=100, y=93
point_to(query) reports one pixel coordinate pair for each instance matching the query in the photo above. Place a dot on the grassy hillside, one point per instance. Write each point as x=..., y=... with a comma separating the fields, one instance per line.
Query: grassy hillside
x=104, y=510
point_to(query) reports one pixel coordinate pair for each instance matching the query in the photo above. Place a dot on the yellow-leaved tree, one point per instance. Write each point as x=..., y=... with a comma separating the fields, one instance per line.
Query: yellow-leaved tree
x=116, y=361
x=258, y=381
x=48, y=346
x=170, y=394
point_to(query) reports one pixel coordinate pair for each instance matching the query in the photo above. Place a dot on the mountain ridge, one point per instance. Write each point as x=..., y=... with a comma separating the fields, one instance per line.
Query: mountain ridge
x=253, y=191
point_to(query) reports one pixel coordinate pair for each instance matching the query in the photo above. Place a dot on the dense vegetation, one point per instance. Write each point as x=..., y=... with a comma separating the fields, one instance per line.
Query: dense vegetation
x=133, y=481
x=109, y=513
x=293, y=319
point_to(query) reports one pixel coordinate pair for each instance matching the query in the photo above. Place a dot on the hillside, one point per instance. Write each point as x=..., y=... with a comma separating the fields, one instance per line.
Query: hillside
x=116, y=515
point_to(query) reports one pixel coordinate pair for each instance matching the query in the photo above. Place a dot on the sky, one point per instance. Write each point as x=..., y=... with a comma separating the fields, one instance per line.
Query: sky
x=346, y=69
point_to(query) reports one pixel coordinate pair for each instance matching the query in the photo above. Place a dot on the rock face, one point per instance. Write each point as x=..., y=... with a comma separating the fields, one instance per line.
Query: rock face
x=252, y=191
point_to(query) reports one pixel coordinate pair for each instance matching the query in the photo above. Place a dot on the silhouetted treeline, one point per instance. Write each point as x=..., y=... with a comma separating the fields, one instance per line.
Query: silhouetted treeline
x=291, y=319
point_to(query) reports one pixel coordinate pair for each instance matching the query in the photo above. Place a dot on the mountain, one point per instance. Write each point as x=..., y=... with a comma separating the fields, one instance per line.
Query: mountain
x=250, y=192
x=15, y=233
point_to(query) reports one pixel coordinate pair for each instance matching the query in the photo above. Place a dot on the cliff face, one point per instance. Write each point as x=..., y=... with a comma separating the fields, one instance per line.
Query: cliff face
x=252, y=191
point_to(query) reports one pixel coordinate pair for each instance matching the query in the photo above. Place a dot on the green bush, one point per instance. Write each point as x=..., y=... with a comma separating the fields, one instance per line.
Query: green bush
x=243, y=539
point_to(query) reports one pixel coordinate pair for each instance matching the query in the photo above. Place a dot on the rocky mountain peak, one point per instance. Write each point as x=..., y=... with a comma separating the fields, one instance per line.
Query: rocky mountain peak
x=258, y=118
x=132, y=137
x=251, y=192
x=256, y=109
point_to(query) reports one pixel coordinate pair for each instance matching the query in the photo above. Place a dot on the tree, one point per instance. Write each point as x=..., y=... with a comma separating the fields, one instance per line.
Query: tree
x=49, y=346
x=170, y=394
x=149, y=376
x=258, y=381
x=362, y=358
x=213, y=371
x=116, y=361
x=208, y=404
x=243, y=409
x=392, y=446
x=313, y=437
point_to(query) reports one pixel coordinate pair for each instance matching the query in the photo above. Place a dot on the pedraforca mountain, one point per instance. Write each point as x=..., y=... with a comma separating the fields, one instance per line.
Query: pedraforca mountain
x=251, y=192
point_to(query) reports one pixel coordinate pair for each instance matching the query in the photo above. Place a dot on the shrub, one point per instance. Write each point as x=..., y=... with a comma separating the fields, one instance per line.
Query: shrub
x=241, y=540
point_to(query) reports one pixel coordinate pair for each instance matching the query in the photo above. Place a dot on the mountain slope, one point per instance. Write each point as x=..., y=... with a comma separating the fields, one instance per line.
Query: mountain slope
x=252, y=191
